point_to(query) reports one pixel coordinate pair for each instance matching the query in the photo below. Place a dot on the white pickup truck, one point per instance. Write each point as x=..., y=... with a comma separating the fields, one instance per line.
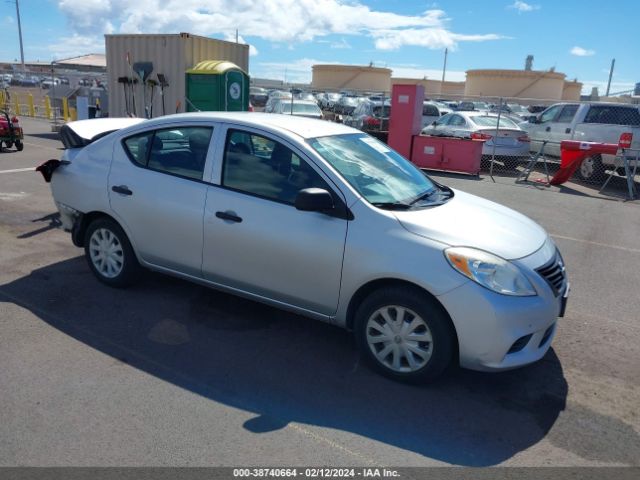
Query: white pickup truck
x=593, y=122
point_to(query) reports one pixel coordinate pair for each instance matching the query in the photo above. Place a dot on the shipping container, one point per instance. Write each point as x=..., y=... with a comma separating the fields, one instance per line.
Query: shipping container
x=171, y=55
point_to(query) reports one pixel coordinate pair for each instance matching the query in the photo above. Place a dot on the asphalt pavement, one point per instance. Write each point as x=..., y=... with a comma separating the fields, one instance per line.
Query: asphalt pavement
x=168, y=373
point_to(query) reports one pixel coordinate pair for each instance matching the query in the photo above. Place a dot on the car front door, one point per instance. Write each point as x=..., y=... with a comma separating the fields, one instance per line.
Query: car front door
x=541, y=131
x=157, y=193
x=256, y=240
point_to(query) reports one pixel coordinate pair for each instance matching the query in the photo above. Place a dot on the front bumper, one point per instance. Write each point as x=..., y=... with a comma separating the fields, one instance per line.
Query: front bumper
x=498, y=332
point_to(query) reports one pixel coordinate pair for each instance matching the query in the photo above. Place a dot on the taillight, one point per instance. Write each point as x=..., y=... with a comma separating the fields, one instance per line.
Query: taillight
x=524, y=138
x=372, y=121
x=480, y=136
x=14, y=120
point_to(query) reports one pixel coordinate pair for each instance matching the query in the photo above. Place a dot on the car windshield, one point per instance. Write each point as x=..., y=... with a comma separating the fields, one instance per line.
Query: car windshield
x=486, y=121
x=378, y=173
x=300, y=108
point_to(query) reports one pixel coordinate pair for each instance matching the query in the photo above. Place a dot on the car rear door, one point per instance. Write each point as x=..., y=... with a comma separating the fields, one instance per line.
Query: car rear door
x=157, y=192
x=255, y=239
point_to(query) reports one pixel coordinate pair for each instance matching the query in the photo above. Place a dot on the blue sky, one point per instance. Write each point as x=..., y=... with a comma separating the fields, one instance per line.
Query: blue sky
x=578, y=38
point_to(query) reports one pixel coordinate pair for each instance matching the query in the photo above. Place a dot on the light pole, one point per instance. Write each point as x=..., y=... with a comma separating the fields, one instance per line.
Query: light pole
x=20, y=36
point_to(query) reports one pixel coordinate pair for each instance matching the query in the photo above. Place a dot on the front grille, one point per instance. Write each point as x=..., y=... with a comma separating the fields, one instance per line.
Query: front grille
x=554, y=273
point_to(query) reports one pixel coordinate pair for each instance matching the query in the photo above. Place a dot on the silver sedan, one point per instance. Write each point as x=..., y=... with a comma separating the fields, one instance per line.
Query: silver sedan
x=320, y=219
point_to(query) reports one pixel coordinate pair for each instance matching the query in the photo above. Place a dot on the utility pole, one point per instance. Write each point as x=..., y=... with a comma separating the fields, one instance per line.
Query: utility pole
x=613, y=63
x=444, y=68
x=20, y=35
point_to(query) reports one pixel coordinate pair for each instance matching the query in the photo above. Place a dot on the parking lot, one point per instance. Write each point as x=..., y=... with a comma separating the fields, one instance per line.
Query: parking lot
x=170, y=373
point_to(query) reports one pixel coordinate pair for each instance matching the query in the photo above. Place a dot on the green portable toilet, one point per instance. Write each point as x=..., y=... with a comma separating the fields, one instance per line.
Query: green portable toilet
x=217, y=85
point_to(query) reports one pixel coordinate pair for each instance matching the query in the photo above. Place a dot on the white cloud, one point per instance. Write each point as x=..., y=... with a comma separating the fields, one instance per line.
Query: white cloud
x=616, y=87
x=74, y=45
x=342, y=44
x=581, y=52
x=523, y=7
x=231, y=37
x=430, y=73
x=9, y=20
x=285, y=21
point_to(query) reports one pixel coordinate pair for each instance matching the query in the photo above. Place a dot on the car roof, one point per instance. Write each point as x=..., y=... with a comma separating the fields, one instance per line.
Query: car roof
x=285, y=124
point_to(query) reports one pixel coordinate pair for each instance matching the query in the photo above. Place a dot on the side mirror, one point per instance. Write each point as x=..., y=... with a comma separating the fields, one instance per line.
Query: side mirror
x=532, y=119
x=314, y=200
x=434, y=123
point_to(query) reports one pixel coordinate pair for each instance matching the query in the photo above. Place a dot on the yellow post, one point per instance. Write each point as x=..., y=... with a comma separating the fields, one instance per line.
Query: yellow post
x=32, y=109
x=73, y=113
x=47, y=107
x=65, y=109
x=2, y=100
x=16, y=105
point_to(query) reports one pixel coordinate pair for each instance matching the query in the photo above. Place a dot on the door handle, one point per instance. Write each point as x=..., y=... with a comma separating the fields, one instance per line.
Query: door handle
x=568, y=130
x=548, y=129
x=122, y=190
x=229, y=216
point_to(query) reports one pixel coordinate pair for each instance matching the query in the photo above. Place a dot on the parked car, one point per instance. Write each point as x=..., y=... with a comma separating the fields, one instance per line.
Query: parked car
x=593, y=122
x=30, y=81
x=274, y=97
x=49, y=82
x=300, y=108
x=370, y=117
x=320, y=219
x=432, y=111
x=306, y=96
x=258, y=96
x=511, y=144
x=329, y=100
x=346, y=105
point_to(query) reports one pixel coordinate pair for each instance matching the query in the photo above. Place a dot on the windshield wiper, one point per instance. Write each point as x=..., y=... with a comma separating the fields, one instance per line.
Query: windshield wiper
x=392, y=205
x=424, y=196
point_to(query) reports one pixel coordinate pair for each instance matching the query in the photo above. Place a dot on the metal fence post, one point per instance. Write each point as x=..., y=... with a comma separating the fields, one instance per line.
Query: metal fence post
x=495, y=139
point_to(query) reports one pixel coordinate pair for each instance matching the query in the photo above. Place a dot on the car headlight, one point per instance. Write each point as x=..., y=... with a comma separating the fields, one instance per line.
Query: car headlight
x=490, y=271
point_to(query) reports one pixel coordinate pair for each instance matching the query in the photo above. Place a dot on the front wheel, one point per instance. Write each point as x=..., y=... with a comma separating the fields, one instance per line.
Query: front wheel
x=19, y=145
x=109, y=253
x=8, y=144
x=403, y=334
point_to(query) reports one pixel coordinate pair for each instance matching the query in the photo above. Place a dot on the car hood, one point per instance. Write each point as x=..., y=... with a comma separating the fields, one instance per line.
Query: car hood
x=470, y=221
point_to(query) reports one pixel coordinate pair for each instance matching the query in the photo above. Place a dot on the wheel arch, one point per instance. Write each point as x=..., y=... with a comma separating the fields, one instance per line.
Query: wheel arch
x=82, y=223
x=368, y=288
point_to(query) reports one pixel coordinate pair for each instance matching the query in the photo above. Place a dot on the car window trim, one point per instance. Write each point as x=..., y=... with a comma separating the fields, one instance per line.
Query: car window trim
x=148, y=153
x=341, y=210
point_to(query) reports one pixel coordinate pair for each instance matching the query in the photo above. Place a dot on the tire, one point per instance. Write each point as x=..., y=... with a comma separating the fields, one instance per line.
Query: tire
x=511, y=163
x=8, y=144
x=591, y=170
x=109, y=253
x=19, y=145
x=387, y=346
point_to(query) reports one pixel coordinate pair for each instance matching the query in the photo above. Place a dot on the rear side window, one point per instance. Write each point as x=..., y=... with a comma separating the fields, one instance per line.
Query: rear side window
x=613, y=115
x=137, y=147
x=178, y=151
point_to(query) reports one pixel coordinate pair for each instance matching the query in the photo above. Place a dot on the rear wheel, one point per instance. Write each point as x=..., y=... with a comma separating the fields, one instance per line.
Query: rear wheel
x=19, y=145
x=109, y=253
x=403, y=334
x=591, y=169
x=8, y=144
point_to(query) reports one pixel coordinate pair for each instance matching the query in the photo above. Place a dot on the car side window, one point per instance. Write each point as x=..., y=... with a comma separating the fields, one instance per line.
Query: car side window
x=273, y=171
x=549, y=114
x=430, y=111
x=613, y=115
x=444, y=120
x=180, y=151
x=457, y=121
x=567, y=114
x=137, y=148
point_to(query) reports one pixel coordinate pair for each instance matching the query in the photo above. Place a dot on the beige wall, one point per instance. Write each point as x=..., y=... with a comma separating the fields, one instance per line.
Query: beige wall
x=432, y=87
x=515, y=83
x=350, y=77
x=571, y=91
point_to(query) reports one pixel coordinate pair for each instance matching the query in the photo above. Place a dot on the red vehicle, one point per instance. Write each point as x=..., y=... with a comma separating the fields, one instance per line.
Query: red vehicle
x=10, y=131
